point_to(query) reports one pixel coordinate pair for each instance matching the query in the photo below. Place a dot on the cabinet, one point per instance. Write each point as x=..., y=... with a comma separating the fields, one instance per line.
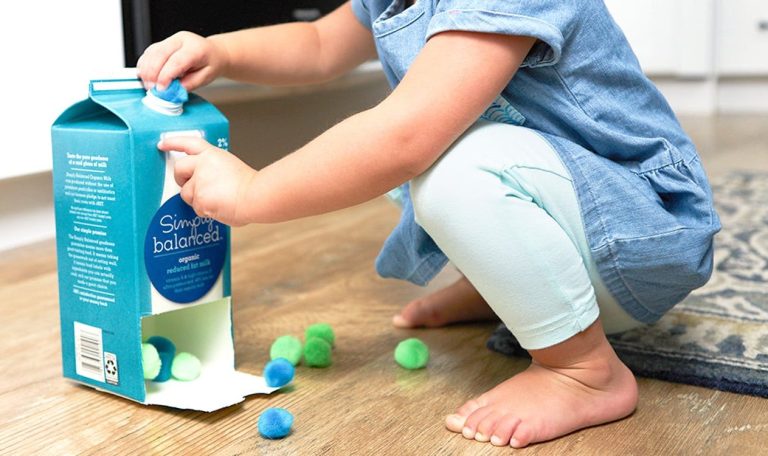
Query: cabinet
x=742, y=38
x=706, y=56
x=670, y=37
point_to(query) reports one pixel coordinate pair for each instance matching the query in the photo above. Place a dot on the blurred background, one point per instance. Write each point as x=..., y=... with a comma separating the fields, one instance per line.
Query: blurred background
x=709, y=57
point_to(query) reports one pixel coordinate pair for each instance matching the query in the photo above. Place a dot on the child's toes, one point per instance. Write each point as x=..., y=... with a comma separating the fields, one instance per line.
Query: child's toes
x=486, y=426
x=469, y=407
x=504, y=429
x=455, y=422
x=523, y=435
x=473, y=420
x=416, y=313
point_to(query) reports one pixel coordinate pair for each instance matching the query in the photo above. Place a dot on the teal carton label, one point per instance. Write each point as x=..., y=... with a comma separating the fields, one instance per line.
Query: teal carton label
x=128, y=247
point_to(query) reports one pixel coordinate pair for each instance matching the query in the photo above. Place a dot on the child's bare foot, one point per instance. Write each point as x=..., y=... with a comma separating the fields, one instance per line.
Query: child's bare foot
x=455, y=303
x=569, y=386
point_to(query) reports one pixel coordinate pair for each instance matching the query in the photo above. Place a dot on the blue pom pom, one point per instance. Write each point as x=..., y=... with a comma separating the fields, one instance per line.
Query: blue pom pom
x=167, y=351
x=278, y=372
x=174, y=93
x=275, y=423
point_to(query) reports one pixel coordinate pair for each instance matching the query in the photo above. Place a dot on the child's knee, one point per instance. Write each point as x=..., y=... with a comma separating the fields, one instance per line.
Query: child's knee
x=449, y=190
x=467, y=172
x=434, y=194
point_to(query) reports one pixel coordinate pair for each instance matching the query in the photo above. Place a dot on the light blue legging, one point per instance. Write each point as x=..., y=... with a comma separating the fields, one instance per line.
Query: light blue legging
x=502, y=207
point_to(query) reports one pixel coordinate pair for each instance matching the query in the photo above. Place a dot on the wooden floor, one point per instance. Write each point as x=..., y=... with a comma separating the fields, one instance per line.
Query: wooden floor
x=286, y=277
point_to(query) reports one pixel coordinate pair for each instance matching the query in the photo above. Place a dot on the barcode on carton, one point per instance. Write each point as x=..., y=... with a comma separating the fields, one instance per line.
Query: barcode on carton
x=89, y=352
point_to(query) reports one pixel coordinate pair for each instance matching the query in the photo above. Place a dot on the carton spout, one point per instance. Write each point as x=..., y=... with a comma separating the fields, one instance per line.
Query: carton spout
x=169, y=101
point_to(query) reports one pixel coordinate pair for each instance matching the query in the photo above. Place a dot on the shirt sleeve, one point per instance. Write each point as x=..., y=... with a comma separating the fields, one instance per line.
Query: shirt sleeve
x=550, y=21
x=362, y=13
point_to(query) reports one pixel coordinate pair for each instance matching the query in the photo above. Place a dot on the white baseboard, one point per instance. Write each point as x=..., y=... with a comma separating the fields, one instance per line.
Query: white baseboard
x=742, y=96
x=689, y=96
x=712, y=96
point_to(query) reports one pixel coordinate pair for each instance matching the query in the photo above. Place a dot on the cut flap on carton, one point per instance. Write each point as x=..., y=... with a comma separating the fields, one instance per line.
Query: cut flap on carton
x=211, y=391
x=204, y=330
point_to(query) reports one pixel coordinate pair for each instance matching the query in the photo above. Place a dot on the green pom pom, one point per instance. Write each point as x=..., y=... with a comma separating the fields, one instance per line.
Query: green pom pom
x=150, y=361
x=317, y=352
x=412, y=353
x=186, y=367
x=287, y=347
x=321, y=330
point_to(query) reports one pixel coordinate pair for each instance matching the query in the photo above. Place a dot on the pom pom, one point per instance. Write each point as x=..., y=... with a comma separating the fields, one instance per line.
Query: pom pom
x=412, y=353
x=150, y=361
x=275, y=423
x=317, y=352
x=186, y=367
x=174, y=93
x=167, y=351
x=278, y=372
x=321, y=330
x=287, y=347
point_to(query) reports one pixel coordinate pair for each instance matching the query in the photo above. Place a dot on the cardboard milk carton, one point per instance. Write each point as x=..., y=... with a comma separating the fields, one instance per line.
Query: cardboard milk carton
x=134, y=260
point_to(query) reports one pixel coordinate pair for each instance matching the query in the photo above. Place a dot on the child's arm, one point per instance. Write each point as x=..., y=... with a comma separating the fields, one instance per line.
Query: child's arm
x=449, y=85
x=284, y=54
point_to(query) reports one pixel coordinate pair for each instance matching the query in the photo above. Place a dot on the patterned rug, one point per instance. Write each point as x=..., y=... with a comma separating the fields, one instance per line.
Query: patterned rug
x=718, y=336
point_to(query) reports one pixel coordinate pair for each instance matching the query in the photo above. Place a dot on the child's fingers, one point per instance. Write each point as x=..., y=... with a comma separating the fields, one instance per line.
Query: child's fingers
x=149, y=65
x=195, y=79
x=139, y=63
x=184, y=169
x=176, y=66
x=155, y=57
x=187, y=144
x=187, y=192
x=188, y=195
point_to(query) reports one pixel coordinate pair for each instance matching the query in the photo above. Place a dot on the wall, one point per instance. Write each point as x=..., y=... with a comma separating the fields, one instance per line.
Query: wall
x=50, y=50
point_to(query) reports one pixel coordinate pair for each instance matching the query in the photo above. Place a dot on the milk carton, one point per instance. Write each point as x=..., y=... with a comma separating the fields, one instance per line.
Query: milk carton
x=134, y=260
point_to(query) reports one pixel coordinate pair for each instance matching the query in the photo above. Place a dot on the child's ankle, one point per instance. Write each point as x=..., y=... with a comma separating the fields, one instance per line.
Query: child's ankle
x=585, y=348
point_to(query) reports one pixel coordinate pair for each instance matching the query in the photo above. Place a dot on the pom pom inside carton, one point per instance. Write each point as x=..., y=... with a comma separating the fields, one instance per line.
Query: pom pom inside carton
x=134, y=260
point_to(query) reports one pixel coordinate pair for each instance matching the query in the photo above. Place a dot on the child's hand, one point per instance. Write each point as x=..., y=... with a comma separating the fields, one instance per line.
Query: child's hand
x=194, y=59
x=213, y=181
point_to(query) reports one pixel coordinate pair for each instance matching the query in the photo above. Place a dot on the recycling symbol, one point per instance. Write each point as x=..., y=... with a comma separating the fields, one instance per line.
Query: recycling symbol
x=111, y=367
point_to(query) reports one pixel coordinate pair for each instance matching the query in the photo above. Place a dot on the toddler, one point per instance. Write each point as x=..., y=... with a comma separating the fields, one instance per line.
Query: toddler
x=529, y=150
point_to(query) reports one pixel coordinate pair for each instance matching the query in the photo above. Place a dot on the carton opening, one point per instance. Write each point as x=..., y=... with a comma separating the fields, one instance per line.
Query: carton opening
x=204, y=330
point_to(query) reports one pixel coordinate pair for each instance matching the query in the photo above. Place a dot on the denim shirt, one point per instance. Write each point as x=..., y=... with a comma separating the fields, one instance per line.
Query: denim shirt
x=645, y=200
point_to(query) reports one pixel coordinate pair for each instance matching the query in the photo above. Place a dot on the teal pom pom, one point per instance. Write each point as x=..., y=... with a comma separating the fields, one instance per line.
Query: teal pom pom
x=321, y=330
x=275, y=423
x=167, y=351
x=174, y=93
x=412, y=353
x=278, y=372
